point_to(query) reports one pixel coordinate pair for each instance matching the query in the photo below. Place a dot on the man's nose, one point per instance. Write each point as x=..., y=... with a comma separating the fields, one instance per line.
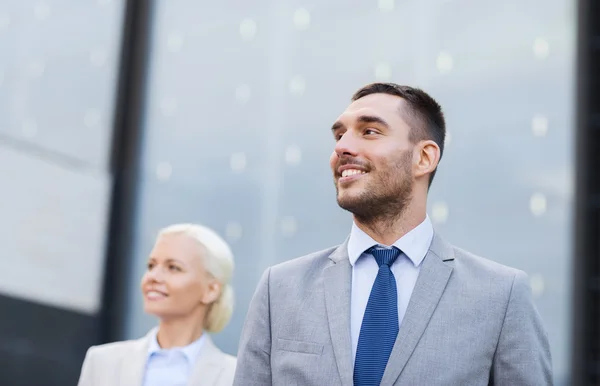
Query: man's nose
x=347, y=145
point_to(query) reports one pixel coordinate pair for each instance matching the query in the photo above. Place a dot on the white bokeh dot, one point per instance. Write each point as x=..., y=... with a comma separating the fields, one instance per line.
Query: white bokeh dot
x=41, y=10
x=301, y=19
x=541, y=48
x=537, y=284
x=98, y=57
x=91, y=118
x=163, y=171
x=4, y=20
x=168, y=106
x=175, y=42
x=248, y=29
x=297, y=85
x=293, y=155
x=444, y=62
x=36, y=68
x=383, y=72
x=439, y=212
x=238, y=162
x=233, y=231
x=289, y=225
x=537, y=204
x=386, y=5
x=539, y=125
x=243, y=93
x=29, y=128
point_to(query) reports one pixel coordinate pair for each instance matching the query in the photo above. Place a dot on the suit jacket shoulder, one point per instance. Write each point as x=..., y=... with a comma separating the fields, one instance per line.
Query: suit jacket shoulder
x=303, y=265
x=470, y=267
x=483, y=277
x=102, y=363
x=481, y=264
x=117, y=349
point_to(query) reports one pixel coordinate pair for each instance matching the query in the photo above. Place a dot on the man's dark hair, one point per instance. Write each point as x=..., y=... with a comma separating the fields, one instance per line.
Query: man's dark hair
x=424, y=113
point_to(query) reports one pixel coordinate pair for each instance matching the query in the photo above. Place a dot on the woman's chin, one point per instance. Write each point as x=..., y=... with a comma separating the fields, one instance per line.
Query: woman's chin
x=159, y=312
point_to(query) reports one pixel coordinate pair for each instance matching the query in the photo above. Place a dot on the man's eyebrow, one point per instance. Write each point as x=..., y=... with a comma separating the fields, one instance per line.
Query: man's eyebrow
x=361, y=119
x=336, y=126
x=372, y=119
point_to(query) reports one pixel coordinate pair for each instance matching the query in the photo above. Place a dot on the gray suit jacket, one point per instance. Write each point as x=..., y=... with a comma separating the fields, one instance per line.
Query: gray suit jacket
x=124, y=363
x=470, y=321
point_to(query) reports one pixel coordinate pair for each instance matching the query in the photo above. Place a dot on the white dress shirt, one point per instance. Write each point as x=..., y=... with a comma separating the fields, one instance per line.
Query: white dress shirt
x=171, y=367
x=414, y=246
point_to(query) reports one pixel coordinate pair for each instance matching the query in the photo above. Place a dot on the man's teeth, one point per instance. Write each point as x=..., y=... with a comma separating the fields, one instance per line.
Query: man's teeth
x=351, y=172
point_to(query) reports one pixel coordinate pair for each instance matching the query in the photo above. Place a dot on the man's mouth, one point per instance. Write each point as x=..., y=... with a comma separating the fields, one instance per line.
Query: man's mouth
x=352, y=172
x=350, y=175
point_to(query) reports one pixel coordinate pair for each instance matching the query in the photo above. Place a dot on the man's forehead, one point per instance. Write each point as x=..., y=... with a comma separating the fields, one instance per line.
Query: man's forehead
x=383, y=105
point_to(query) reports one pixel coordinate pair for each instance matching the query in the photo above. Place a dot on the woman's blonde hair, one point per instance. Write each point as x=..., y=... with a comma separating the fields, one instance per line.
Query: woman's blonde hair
x=218, y=261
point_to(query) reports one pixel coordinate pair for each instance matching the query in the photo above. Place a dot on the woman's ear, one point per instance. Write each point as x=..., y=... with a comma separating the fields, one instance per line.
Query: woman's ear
x=213, y=291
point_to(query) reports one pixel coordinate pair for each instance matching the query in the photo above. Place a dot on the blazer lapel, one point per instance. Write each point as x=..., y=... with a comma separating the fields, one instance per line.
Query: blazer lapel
x=208, y=366
x=337, y=282
x=133, y=365
x=428, y=290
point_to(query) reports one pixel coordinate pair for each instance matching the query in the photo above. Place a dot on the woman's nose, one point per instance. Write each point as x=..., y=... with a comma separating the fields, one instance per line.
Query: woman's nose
x=155, y=274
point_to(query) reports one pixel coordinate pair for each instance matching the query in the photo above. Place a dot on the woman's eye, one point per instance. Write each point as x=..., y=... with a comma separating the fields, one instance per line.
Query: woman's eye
x=174, y=268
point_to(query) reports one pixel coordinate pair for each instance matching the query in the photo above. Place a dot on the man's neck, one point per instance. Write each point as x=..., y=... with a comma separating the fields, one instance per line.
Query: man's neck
x=388, y=230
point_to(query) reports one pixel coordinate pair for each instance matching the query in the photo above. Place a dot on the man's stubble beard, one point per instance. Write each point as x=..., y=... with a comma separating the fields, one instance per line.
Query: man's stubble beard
x=386, y=197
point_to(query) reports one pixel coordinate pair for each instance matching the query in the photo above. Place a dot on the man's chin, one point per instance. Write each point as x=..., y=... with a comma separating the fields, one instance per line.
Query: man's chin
x=350, y=203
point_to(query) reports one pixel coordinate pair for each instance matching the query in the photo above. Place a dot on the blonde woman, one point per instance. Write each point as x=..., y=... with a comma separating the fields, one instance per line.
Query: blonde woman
x=186, y=285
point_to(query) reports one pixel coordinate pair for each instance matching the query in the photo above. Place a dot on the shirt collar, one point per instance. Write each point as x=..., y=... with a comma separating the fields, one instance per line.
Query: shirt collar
x=191, y=351
x=414, y=244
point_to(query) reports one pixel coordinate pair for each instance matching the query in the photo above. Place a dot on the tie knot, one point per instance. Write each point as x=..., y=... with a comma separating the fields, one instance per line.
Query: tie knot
x=385, y=256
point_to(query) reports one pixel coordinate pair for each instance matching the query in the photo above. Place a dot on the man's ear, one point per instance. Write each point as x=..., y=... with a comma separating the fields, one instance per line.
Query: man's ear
x=428, y=157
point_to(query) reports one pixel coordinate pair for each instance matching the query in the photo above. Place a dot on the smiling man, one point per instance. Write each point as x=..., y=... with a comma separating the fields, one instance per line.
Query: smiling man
x=395, y=304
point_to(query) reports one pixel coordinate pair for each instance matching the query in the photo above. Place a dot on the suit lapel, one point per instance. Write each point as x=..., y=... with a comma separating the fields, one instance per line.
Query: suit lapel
x=337, y=282
x=208, y=366
x=134, y=362
x=428, y=290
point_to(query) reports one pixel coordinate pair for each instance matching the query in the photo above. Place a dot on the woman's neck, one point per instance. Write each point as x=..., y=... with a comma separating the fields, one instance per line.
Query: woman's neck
x=178, y=332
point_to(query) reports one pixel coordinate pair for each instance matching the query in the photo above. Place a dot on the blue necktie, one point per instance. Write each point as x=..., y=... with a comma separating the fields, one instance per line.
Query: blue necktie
x=379, y=327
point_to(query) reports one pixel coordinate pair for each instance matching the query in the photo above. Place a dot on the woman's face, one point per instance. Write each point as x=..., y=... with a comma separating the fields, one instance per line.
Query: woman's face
x=175, y=284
